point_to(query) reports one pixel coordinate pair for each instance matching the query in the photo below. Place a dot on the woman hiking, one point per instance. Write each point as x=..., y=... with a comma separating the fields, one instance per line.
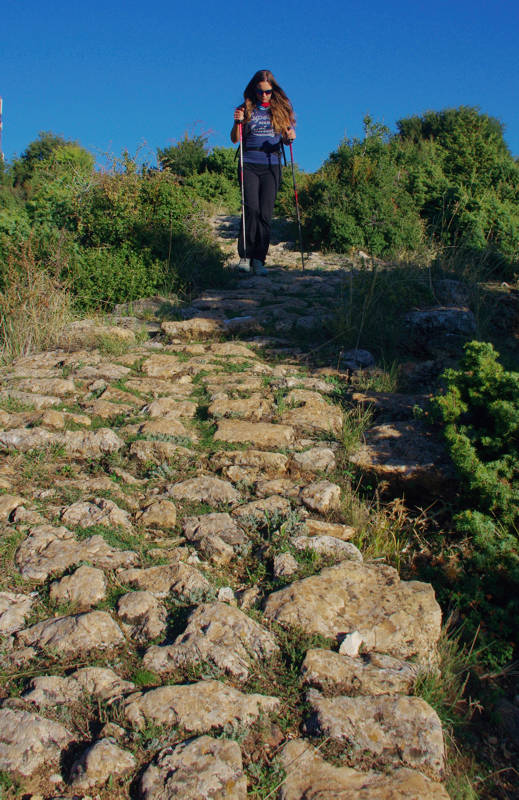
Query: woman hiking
x=267, y=120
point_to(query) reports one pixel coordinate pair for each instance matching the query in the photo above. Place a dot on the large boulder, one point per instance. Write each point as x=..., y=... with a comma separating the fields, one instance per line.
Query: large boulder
x=394, y=730
x=405, y=457
x=401, y=618
x=439, y=329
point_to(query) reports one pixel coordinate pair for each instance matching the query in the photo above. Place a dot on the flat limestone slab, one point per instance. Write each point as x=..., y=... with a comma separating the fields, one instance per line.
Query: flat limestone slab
x=401, y=618
x=197, y=707
x=394, y=730
x=259, y=434
x=310, y=777
x=77, y=444
x=74, y=634
x=180, y=579
x=371, y=674
x=14, y=608
x=49, y=550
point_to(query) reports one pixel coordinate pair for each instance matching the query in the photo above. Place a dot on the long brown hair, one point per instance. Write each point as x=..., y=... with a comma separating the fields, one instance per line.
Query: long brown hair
x=281, y=110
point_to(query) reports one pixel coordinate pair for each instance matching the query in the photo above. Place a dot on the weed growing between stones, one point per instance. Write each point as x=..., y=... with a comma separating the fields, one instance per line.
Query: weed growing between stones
x=384, y=530
x=443, y=685
x=8, y=785
x=14, y=406
x=145, y=678
x=115, y=536
x=110, y=345
x=357, y=420
x=281, y=675
x=9, y=575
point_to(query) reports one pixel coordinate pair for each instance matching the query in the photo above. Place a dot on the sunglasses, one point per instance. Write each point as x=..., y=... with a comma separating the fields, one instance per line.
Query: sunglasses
x=263, y=91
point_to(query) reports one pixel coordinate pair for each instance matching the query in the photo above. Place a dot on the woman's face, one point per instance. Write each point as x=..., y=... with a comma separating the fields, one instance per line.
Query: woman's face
x=264, y=91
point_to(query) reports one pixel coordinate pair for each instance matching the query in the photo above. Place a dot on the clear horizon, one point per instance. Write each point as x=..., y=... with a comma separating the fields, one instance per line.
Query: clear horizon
x=118, y=76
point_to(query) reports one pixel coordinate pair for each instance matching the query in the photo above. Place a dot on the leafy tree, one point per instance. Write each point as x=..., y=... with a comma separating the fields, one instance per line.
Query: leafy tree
x=41, y=149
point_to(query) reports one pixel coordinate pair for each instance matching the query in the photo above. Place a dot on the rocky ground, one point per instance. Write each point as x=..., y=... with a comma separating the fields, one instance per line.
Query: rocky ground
x=184, y=610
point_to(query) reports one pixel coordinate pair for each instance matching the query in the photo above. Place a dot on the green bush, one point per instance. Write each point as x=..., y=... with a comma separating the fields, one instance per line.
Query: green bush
x=223, y=161
x=216, y=188
x=479, y=413
x=114, y=236
x=360, y=199
x=446, y=178
x=186, y=157
x=104, y=276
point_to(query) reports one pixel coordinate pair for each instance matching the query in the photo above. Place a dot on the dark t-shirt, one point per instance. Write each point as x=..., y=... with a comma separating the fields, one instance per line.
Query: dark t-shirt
x=261, y=136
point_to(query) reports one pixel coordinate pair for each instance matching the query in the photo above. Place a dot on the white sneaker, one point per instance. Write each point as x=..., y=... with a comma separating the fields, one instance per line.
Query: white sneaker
x=244, y=265
x=259, y=267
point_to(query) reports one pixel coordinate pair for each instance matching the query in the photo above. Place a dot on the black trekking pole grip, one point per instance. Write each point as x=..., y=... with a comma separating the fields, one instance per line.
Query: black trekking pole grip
x=297, y=206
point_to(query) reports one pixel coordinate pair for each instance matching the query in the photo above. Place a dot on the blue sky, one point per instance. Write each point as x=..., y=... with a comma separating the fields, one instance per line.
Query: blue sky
x=117, y=75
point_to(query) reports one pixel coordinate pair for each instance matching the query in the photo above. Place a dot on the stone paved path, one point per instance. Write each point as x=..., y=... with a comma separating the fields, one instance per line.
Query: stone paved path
x=183, y=610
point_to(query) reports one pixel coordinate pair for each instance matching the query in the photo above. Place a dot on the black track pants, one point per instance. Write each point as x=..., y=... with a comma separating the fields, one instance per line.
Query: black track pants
x=261, y=183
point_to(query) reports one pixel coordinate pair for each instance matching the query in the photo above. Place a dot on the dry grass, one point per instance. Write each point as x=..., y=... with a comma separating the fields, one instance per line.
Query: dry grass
x=34, y=306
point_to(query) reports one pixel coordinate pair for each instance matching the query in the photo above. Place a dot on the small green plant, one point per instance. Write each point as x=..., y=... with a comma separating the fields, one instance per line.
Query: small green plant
x=357, y=420
x=6, y=783
x=113, y=345
x=145, y=677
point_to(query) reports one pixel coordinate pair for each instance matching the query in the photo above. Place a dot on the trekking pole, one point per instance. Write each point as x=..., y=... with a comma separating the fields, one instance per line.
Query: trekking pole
x=242, y=191
x=297, y=206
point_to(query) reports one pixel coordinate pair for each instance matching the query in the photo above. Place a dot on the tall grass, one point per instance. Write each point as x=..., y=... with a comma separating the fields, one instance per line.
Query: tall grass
x=34, y=306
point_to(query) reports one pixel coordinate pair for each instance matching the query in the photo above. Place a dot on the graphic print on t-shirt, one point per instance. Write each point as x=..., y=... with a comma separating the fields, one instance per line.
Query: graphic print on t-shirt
x=261, y=124
x=262, y=142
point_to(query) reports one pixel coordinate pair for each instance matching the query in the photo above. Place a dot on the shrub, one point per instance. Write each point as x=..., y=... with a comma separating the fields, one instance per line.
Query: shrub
x=479, y=412
x=446, y=177
x=103, y=276
x=34, y=305
x=223, y=161
x=117, y=235
x=217, y=189
x=186, y=157
x=360, y=199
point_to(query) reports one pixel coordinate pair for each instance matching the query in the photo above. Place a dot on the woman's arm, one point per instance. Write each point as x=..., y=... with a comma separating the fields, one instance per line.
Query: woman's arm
x=239, y=116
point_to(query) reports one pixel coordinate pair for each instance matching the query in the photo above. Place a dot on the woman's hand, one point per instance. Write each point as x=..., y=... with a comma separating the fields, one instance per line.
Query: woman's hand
x=239, y=116
x=290, y=135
